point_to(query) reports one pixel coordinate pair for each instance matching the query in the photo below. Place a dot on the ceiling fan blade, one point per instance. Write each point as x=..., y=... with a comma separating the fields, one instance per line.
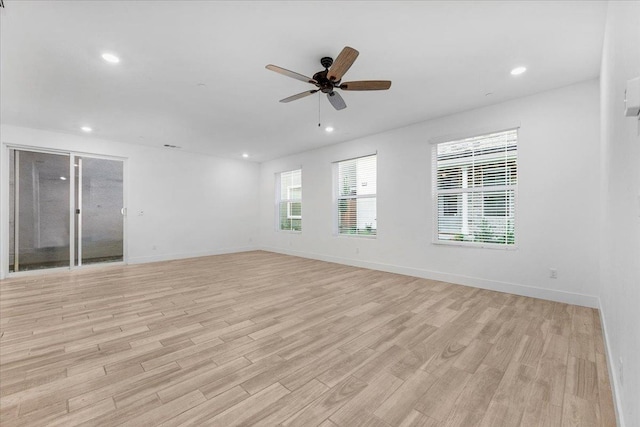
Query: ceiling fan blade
x=298, y=96
x=342, y=63
x=336, y=100
x=291, y=74
x=366, y=85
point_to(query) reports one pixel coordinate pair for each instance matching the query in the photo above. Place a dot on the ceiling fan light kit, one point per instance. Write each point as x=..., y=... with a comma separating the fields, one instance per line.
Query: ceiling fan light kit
x=330, y=79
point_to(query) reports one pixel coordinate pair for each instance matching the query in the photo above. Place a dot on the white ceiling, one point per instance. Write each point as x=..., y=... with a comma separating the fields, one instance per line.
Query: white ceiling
x=443, y=57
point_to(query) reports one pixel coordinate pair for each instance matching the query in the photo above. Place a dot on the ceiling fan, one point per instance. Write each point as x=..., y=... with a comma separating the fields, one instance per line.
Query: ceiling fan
x=330, y=78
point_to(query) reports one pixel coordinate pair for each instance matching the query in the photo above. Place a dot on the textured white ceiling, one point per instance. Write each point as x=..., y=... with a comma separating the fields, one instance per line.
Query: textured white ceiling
x=443, y=57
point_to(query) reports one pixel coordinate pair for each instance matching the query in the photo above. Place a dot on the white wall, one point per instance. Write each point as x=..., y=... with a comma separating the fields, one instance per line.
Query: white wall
x=193, y=205
x=557, y=212
x=620, y=187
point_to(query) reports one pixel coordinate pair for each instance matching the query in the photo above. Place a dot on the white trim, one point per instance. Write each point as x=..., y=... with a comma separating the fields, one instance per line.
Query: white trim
x=358, y=236
x=471, y=133
x=615, y=385
x=375, y=153
x=476, y=245
x=295, y=168
x=584, y=300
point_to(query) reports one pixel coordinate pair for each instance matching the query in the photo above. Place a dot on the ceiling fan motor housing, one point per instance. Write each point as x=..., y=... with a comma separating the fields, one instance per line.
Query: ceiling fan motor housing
x=326, y=62
x=324, y=84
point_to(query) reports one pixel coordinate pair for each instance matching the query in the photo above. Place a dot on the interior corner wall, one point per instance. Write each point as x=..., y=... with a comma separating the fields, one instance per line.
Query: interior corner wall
x=620, y=189
x=557, y=206
x=191, y=204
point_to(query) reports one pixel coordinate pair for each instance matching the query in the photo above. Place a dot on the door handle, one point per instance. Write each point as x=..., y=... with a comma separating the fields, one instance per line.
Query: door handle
x=123, y=211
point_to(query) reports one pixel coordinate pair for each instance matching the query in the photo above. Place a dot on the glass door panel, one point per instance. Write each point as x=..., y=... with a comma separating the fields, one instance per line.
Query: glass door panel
x=39, y=203
x=99, y=204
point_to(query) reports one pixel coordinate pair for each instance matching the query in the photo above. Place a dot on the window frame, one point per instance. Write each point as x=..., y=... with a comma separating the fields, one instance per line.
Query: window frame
x=471, y=190
x=337, y=198
x=288, y=201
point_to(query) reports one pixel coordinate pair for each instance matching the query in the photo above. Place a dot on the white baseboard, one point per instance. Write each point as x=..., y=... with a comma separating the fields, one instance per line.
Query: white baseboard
x=183, y=255
x=493, y=285
x=612, y=370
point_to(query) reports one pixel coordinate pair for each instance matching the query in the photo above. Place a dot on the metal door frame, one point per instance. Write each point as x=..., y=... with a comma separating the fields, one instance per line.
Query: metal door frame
x=4, y=208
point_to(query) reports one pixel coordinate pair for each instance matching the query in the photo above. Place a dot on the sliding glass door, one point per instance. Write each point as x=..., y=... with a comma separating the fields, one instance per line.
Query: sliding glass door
x=39, y=211
x=64, y=210
x=99, y=209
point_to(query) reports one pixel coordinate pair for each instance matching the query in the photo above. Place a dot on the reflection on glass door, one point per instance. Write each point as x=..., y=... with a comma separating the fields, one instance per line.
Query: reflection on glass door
x=39, y=211
x=51, y=208
x=99, y=210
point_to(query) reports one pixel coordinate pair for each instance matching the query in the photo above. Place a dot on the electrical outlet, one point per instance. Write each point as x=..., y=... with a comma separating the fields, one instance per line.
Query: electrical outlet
x=553, y=273
x=357, y=250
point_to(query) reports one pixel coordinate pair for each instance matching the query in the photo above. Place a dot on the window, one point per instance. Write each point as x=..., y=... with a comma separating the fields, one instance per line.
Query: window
x=451, y=204
x=289, y=200
x=475, y=189
x=357, y=196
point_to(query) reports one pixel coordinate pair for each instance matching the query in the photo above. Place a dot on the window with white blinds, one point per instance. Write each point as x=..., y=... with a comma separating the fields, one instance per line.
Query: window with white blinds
x=357, y=196
x=474, y=187
x=289, y=200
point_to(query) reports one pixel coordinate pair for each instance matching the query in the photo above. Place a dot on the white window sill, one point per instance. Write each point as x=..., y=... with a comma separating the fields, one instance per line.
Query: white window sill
x=362, y=236
x=475, y=245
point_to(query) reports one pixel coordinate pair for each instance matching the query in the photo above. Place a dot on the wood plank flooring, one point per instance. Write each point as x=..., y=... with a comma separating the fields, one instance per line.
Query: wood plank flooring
x=259, y=338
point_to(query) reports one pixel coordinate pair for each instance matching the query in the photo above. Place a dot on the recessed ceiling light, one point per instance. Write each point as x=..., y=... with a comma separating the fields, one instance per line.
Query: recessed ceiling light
x=64, y=178
x=86, y=129
x=328, y=129
x=245, y=155
x=109, y=57
x=518, y=70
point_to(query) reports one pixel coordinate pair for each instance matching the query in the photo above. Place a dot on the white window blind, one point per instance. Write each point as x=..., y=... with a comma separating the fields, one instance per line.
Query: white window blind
x=357, y=189
x=474, y=187
x=289, y=200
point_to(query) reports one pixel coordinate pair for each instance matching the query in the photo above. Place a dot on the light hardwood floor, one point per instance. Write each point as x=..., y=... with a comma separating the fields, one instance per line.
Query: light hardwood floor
x=259, y=338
